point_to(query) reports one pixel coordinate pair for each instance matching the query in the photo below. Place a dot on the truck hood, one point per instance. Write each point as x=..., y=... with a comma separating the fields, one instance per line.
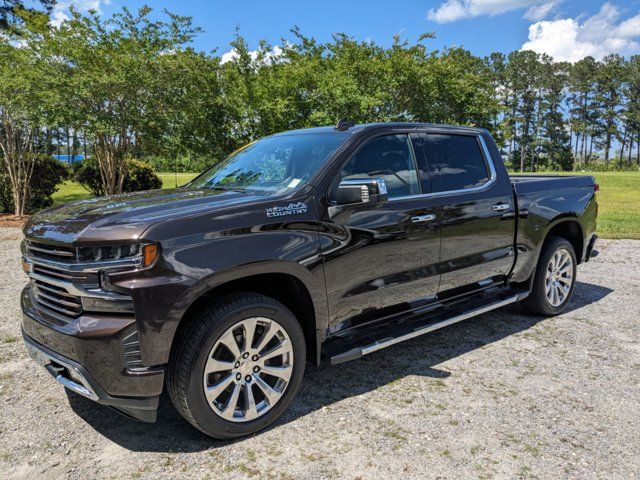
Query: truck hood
x=125, y=216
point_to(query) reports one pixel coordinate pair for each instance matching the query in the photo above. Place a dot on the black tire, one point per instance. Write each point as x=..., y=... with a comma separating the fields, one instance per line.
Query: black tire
x=537, y=302
x=193, y=344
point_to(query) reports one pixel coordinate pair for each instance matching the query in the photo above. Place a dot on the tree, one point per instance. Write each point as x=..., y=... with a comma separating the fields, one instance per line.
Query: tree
x=25, y=105
x=12, y=12
x=608, y=98
x=114, y=75
x=556, y=141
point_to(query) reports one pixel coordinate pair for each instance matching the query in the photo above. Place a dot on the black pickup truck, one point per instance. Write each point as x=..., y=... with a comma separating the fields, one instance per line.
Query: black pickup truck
x=322, y=244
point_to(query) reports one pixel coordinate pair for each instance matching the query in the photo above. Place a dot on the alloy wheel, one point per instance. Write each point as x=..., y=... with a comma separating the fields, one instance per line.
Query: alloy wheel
x=559, y=277
x=248, y=369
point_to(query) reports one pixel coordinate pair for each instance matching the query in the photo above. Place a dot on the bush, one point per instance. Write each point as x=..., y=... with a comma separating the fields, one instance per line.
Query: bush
x=612, y=166
x=48, y=173
x=185, y=164
x=140, y=176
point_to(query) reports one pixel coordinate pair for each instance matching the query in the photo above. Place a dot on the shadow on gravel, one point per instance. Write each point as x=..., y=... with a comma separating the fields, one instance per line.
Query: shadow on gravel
x=326, y=384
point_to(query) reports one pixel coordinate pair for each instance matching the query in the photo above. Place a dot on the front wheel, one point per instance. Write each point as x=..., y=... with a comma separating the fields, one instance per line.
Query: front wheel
x=237, y=365
x=554, y=280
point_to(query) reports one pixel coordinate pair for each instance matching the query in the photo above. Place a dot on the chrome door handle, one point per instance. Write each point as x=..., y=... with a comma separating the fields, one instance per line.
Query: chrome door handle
x=500, y=207
x=423, y=218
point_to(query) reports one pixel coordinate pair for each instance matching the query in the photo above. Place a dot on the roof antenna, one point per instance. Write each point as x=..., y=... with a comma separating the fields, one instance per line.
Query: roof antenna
x=344, y=124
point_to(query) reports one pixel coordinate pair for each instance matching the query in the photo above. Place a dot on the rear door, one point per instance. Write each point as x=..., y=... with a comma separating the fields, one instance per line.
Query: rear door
x=477, y=222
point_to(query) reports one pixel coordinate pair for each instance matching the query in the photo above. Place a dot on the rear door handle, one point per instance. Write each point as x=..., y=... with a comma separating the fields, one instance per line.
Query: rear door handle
x=501, y=207
x=423, y=218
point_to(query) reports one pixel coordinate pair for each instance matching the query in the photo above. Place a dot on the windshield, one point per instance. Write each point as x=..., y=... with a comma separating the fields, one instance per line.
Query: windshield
x=271, y=165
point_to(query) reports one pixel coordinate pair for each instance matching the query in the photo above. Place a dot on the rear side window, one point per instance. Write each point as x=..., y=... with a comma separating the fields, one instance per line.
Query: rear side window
x=455, y=162
x=388, y=157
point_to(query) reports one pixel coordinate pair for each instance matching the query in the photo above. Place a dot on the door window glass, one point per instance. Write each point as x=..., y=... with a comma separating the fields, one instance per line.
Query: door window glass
x=455, y=162
x=388, y=157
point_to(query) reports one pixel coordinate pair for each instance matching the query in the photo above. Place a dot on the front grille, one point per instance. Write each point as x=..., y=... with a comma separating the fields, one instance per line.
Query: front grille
x=65, y=280
x=66, y=275
x=50, y=252
x=58, y=299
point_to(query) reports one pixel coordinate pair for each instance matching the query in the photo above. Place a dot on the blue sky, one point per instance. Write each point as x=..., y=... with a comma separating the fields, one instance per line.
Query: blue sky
x=566, y=29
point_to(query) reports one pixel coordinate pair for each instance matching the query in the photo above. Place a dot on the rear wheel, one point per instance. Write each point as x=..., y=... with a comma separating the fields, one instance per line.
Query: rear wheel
x=237, y=365
x=554, y=279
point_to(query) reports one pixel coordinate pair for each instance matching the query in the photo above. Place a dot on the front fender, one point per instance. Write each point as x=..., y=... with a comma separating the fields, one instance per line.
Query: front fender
x=202, y=262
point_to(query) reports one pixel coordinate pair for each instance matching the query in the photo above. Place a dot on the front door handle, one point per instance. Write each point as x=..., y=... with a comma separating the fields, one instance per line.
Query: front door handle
x=501, y=207
x=423, y=218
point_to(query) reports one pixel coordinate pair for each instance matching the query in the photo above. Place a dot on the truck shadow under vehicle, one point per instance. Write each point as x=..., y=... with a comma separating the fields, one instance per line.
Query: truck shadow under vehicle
x=325, y=385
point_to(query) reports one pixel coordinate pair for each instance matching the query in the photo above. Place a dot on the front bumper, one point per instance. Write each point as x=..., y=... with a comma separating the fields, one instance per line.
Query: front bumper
x=88, y=357
x=76, y=378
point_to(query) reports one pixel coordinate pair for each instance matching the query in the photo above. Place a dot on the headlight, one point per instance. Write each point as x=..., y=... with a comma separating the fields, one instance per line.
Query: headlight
x=98, y=254
x=142, y=254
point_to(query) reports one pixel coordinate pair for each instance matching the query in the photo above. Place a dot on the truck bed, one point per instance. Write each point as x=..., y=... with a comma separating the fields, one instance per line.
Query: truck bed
x=524, y=183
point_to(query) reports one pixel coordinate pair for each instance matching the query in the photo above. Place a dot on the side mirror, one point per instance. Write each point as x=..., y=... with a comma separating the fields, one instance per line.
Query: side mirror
x=365, y=190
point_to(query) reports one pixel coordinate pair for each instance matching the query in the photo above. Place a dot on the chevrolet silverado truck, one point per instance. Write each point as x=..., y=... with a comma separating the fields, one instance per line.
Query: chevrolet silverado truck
x=319, y=245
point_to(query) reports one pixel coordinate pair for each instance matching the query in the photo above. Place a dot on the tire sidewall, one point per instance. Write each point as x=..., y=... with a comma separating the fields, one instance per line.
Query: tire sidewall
x=552, y=247
x=207, y=420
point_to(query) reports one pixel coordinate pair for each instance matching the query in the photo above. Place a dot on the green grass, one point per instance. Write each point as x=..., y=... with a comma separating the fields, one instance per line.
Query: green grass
x=618, y=199
x=70, y=190
x=619, y=204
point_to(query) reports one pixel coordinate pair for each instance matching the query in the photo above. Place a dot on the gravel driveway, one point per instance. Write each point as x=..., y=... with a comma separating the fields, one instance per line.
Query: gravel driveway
x=503, y=396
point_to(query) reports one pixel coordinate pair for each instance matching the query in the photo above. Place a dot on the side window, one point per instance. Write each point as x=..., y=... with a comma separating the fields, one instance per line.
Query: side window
x=455, y=162
x=388, y=157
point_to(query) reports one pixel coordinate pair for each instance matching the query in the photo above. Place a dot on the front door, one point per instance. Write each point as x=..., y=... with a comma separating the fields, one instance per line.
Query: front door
x=382, y=257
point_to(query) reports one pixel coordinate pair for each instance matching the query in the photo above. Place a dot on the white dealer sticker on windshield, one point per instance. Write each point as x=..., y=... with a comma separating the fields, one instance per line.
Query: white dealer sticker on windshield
x=294, y=183
x=291, y=209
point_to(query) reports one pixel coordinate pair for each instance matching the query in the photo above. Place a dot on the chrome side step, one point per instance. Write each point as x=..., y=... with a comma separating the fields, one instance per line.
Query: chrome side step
x=387, y=342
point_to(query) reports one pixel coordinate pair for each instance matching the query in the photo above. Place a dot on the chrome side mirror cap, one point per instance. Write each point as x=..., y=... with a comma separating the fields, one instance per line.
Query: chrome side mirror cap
x=365, y=190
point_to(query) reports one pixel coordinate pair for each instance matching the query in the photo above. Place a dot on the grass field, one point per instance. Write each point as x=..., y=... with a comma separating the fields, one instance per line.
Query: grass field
x=618, y=199
x=70, y=191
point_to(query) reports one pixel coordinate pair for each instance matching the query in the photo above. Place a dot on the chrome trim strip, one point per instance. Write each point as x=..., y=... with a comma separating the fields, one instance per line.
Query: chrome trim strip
x=90, y=290
x=60, y=253
x=421, y=331
x=86, y=267
x=492, y=178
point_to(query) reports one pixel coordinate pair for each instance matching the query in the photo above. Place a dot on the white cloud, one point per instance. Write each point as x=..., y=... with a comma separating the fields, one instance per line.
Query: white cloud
x=570, y=39
x=540, y=12
x=270, y=56
x=452, y=10
x=60, y=11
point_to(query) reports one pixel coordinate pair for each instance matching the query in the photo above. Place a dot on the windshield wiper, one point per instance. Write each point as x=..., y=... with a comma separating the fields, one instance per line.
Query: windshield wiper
x=227, y=189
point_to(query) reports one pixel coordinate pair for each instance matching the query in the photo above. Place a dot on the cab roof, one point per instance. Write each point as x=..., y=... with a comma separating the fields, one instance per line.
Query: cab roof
x=363, y=127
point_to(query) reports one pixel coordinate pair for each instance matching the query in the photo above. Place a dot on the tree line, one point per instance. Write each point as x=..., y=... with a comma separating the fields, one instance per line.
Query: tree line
x=132, y=86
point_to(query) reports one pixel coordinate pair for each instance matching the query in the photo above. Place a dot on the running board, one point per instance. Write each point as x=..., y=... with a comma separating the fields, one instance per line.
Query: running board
x=387, y=342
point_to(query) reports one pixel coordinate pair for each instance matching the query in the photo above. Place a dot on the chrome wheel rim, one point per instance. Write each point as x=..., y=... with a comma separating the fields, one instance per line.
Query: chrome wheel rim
x=559, y=277
x=248, y=369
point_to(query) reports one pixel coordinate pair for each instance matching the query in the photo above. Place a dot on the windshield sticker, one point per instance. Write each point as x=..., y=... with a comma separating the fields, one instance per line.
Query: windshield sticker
x=291, y=209
x=294, y=183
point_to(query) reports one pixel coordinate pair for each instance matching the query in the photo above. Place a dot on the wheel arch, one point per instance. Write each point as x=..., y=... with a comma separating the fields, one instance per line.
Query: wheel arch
x=298, y=292
x=571, y=230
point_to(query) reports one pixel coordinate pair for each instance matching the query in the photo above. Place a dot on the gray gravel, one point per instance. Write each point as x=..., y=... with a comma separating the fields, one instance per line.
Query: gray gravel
x=503, y=396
